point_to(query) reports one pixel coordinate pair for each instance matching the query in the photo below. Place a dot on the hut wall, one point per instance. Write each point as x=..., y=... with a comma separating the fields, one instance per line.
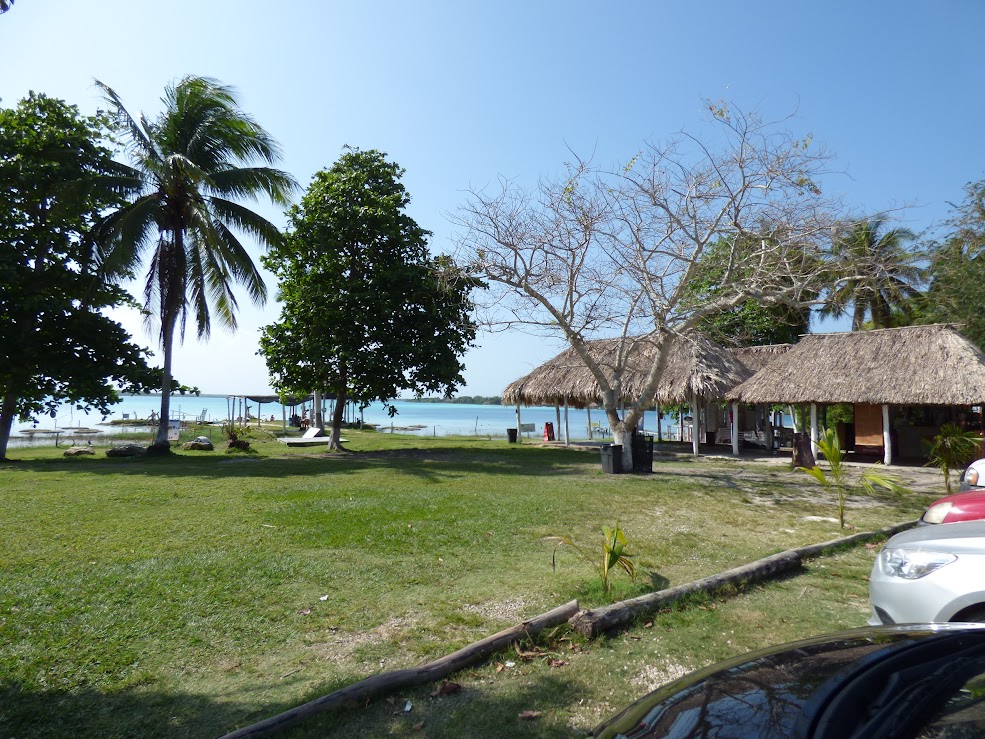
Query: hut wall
x=868, y=428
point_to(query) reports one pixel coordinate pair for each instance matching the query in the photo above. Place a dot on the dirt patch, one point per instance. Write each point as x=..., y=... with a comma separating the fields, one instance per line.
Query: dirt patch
x=652, y=676
x=508, y=610
x=339, y=646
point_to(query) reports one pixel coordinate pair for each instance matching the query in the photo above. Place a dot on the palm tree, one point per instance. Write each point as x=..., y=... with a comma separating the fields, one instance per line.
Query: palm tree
x=875, y=273
x=188, y=166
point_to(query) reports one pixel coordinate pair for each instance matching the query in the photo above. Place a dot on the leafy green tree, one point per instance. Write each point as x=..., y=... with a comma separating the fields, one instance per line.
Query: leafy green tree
x=957, y=269
x=750, y=322
x=190, y=166
x=873, y=272
x=55, y=344
x=367, y=311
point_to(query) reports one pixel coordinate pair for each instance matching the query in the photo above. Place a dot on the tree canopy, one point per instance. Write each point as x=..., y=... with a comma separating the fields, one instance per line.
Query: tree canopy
x=957, y=268
x=873, y=272
x=366, y=311
x=190, y=166
x=612, y=253
x=750, y=323
x=55, y=344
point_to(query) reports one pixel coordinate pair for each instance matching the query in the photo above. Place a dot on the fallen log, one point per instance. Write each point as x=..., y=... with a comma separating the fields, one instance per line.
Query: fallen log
x=594, y=622
x=426, y=673
x=816, y=550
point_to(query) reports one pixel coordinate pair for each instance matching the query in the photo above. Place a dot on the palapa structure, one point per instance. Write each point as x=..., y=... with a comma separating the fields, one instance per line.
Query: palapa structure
x=697, y=370
x=875, y=371
x=696, y=366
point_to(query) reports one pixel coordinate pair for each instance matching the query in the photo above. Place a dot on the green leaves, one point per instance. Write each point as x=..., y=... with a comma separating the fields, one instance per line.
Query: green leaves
x=367, y=311
x=953, y=448
x=838, y=479
x=56, y=345
x=611, y=554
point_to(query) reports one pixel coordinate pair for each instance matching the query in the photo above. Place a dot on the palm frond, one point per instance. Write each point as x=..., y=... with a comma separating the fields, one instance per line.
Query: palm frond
x=246, y=220
x=123, y=235
x=248, y=182
x=189, y=164
x=140, y=135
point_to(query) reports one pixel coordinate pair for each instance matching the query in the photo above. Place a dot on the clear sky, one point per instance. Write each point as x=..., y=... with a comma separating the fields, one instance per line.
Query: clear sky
x=459, y=93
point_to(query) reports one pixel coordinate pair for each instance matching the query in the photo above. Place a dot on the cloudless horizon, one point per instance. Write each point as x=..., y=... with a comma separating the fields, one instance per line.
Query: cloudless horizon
x=461, y=94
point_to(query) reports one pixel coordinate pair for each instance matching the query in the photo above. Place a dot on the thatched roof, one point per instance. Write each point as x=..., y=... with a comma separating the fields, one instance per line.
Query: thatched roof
x=916, y=365
x=695, y=365
x=756, y=357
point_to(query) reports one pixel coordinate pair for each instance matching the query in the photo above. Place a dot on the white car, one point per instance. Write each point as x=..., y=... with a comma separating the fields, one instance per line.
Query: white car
x=931, y=574
x=973, y=477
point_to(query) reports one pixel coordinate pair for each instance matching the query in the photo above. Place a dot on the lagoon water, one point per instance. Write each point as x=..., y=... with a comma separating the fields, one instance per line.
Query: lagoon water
x=430, y=419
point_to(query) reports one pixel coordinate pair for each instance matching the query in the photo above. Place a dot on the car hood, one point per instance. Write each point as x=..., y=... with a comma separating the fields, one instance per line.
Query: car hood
x=959, y=537
x=839, y=685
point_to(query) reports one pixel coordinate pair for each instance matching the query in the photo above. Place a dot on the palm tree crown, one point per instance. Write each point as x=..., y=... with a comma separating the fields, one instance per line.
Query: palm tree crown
x=189, y=166
x=875, y=273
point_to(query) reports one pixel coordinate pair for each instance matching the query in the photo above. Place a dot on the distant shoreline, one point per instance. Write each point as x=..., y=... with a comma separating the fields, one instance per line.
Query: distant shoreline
x=462, y=400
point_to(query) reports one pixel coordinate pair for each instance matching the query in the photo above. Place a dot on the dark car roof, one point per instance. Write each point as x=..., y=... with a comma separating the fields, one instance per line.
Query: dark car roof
x=828, y=686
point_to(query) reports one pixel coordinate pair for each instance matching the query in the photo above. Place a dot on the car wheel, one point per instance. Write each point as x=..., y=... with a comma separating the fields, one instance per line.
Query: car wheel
x=973, y=614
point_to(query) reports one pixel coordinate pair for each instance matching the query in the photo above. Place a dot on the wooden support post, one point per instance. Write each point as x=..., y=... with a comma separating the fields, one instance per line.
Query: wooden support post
x=735, y=429
x=814, y=430
x=887, y=442
x=567, y=440
x=695, y=424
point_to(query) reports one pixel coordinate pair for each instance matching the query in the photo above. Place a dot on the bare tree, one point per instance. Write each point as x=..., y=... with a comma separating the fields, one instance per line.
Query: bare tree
x=603, y=253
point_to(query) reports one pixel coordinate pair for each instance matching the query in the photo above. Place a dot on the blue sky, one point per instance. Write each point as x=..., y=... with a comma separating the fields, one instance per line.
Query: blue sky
x=461, y=93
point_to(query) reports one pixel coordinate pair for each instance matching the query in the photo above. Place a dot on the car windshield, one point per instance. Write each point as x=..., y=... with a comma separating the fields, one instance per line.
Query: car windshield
x=887, y=685
x=962, y=716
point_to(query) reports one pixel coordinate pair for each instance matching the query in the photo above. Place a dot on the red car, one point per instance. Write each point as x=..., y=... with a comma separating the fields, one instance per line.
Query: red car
x=966, y=506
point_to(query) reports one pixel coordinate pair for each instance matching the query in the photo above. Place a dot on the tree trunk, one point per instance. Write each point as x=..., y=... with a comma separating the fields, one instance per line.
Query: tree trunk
x=317, y=418
x=161, y=442
x=337, y=414
x=592, y=623
x=6, y=421
x=620, y=435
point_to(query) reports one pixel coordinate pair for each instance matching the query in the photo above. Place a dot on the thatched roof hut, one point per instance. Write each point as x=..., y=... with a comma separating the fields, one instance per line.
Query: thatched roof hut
x=695, y=366
x=915, y=365
x=756, y=357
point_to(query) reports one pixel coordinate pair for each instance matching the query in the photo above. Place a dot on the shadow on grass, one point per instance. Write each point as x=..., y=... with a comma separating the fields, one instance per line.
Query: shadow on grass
x=423, y=462
x=142, y=712
x=476, y=711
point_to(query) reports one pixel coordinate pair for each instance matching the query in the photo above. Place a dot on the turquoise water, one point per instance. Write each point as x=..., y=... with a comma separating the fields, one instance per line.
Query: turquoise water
x=430, y=419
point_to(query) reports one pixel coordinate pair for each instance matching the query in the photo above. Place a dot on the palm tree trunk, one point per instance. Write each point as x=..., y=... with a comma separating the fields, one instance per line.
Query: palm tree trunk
x=167, y=342
x=858, y=318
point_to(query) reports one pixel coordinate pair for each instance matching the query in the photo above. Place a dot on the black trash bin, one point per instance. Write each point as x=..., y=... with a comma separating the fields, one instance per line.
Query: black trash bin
x=642, y=453
x=612, y=459
x=511, y=436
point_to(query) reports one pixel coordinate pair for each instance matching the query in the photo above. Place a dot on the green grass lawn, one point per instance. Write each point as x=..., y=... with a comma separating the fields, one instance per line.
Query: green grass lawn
x=192, y=595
